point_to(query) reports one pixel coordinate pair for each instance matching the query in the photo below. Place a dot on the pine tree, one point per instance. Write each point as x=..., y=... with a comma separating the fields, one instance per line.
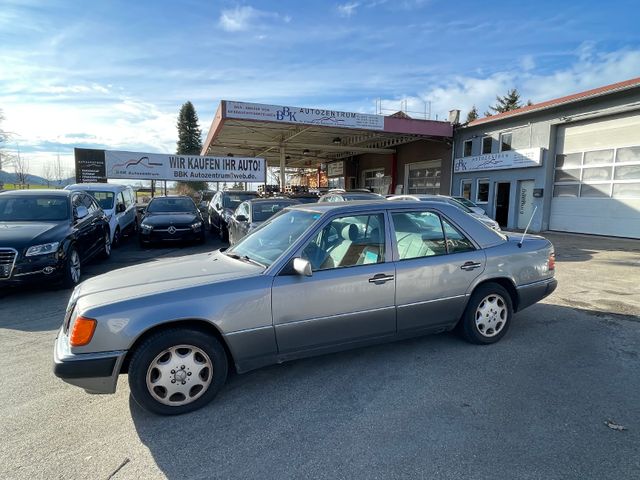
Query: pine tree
x=189, y=141
x=510, y=101
x=472, y=115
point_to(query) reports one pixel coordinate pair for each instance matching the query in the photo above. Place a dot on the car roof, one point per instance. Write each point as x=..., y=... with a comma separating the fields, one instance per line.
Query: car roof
x=485, y=237
x=249, y=192
x=272, y=199
x=171, y=197
x=96, y=186
x=38, y=192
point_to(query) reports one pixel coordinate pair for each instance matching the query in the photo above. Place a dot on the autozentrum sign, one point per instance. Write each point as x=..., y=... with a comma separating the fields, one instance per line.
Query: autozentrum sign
x=521, y=158
x=159, y=166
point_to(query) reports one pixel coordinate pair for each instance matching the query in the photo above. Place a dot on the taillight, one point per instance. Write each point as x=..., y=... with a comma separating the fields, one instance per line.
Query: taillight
x=82, y=332
x=552, y=261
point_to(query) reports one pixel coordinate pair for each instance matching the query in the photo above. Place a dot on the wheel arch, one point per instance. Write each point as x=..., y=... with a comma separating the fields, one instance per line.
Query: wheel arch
x=197, y=324
x=504, y=282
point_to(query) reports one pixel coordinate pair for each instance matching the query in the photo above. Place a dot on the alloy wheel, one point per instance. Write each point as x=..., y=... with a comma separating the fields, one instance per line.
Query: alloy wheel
x=491, y=315
x=74, y=266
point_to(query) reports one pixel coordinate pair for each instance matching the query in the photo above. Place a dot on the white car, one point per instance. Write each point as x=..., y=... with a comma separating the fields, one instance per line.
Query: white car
x=489, y=222
x=119, y=204
x=470, y=205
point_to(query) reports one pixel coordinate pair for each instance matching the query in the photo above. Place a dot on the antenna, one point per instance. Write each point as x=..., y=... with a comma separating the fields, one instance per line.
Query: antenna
x=525, y=230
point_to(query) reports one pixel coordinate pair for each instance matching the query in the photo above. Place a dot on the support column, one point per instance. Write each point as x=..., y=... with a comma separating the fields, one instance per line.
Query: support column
x=282, y=169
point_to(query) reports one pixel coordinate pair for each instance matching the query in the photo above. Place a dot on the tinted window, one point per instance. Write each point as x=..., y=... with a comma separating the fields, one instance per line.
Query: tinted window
x=361, y=196
x=25, y=209
x=346, y=242
x=91, y=205
x=265, y=210
x=418, y=234
x=104, y=199
x=161, y=205
x=232, y=200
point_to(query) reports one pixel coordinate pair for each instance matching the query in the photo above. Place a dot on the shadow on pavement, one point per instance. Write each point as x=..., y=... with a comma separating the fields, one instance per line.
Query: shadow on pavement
x=424, y=408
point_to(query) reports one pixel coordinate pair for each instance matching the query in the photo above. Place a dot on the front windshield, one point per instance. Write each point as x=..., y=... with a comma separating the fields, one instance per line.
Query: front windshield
x=104, y=199
x=173, y=205
x=266, y=244
x=232, y=200
x=33, y=209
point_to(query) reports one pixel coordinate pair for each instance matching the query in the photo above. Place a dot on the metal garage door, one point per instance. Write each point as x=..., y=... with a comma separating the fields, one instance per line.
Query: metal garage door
x=597, y=177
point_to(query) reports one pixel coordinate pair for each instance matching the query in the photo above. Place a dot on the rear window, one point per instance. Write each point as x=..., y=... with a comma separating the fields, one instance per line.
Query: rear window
x=33, y=209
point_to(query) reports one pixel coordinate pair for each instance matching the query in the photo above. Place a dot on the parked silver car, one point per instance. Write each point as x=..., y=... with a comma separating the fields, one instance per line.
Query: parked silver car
x=315, y=278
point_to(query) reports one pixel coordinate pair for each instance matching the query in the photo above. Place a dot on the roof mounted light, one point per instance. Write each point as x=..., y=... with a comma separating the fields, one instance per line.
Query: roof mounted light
x=337, y=140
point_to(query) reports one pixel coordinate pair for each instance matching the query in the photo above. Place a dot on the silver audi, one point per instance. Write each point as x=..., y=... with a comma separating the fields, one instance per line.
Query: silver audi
x=314, y=279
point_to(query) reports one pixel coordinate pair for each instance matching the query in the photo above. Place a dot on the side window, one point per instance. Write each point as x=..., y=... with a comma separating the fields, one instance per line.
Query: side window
x=456, y=241
x=89, y=203
x=418, y=234
x=120, y=199
x=347, y=242
x=127, y=197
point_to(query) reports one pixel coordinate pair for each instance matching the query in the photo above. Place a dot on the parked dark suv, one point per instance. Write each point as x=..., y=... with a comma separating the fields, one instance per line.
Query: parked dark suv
x=221, y=209
x=49, y=234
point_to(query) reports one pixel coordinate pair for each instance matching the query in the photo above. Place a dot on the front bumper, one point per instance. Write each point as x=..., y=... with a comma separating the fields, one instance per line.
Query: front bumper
x=95, y=372
x=34, y=269
x=534, y=292
x=181, y=234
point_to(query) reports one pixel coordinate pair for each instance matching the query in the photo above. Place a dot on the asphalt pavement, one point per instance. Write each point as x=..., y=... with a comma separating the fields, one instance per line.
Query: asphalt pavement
x=558, y=397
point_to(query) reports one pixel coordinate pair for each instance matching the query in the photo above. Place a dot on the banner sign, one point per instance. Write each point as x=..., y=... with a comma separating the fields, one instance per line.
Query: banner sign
x=335, y=169
x=161, y=166
x=304, y=116
x=526, y=157
x=90, y=166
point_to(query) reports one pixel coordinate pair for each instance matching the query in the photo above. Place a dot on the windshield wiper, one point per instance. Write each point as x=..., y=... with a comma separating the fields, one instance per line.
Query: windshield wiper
x=245, y=258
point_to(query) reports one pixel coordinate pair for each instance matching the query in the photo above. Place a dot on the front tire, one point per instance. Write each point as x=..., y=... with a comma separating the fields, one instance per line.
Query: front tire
x=106, y=249
x=72, y=269
x=117, y=238
x=177, y=370
x=488, y=315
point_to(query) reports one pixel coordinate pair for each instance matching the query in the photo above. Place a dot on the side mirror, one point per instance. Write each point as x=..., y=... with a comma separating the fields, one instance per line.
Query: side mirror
x=81, y=212
x=241, y=218
x=302, y=267
x=217, y=206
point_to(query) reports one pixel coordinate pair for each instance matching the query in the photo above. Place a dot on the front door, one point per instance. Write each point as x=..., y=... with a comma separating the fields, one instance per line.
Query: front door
x=350, y=295
x=435, y=266
x=503, y=191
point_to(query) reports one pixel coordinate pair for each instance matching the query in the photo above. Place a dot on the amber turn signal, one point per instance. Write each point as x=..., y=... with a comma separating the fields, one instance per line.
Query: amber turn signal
x=82, y=331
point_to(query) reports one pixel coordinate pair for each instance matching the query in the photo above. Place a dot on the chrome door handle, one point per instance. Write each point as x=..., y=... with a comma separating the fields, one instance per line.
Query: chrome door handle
x=381, y=278
x=470, y=266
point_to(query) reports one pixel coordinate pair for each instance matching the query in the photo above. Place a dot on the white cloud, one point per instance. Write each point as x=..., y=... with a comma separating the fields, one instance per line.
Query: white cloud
x=347, y=9
x=237, y=19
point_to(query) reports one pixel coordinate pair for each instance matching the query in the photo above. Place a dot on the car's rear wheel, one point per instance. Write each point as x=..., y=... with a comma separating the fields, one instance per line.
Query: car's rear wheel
x=177, y=371
x=72, y=269
x=488, y=314
x=106, y=249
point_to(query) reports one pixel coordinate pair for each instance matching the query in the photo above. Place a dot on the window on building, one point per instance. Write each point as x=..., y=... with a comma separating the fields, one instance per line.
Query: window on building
x=482, y=192
x=376, y=181
x=465, y=189
x=335, y=182
x=487, y=144
x=505, y=142
x=423, y=177
x=468, y=148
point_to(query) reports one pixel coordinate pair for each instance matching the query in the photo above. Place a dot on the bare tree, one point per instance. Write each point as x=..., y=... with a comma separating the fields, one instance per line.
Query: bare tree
x=48, y=173
x=58, y=171
x=21, y=166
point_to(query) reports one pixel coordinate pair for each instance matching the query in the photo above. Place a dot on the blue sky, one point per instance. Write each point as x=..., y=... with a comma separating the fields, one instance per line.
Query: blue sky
x=114, y=74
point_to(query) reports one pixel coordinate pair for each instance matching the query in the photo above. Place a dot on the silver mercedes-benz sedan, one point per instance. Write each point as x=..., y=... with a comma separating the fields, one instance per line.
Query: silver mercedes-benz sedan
x=314, y=279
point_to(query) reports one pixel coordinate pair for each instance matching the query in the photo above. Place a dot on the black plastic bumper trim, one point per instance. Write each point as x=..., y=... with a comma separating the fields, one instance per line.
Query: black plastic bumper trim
x=89, y=368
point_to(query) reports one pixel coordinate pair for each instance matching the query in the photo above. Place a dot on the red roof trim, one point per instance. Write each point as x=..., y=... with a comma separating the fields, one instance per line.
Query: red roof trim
x=560, y=101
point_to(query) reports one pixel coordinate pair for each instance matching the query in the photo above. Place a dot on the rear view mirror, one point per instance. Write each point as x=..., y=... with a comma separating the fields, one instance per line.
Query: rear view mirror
x=302, y=267
x=241, y=218
x=217, y=206
x=81, y=212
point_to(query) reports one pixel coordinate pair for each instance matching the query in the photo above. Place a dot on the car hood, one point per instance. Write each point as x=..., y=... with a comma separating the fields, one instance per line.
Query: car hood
x=166, y=275
x=20, y=235
x=170, y=219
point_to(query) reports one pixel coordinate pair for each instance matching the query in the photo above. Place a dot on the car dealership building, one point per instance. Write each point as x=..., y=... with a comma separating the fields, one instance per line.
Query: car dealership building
x=575, y=160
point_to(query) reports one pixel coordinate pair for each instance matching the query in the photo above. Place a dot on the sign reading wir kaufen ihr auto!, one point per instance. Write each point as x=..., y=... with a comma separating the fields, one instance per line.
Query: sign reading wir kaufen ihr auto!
x=158, y=166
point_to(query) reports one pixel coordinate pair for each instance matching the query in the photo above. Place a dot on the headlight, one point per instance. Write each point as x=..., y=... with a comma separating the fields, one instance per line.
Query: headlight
x=196, y=225
x=146, y=227
x=43, y=249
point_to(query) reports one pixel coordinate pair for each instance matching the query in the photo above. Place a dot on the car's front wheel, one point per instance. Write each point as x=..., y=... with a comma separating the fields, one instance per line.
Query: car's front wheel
x=177, y=370
x=488, y=314
x=72, y=269
x=106, y=248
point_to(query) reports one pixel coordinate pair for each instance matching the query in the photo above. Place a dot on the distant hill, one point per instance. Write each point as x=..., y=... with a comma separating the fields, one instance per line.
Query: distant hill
x=8, y=177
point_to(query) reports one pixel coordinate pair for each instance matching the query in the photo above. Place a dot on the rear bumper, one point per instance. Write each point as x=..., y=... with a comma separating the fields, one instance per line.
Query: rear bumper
x=534, y=292
x=95, y=372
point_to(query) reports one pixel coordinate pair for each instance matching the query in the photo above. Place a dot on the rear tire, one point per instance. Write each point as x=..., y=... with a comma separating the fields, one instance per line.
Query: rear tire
x=488, y=315
x=177, y=370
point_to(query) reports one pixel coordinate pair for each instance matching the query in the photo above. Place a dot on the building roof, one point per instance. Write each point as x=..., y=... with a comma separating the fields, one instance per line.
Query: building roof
x=576, y=97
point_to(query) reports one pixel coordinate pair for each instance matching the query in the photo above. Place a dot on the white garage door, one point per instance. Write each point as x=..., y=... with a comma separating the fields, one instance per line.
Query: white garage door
x=597, y=177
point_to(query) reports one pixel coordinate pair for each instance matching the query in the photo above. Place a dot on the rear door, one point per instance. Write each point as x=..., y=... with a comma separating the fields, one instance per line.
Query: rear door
x=435, y=265
x=349, y=297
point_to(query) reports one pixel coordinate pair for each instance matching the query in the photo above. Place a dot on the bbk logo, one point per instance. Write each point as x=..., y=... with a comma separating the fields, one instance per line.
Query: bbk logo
x=286, y=114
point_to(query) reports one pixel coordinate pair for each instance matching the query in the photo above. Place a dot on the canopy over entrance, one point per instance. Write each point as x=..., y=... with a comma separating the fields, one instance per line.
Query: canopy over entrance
x=299, y=137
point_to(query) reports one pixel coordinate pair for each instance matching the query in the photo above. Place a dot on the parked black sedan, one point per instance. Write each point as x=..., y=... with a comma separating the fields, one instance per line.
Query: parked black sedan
x=49, y=234
x=173, y=219
x=250, y=214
